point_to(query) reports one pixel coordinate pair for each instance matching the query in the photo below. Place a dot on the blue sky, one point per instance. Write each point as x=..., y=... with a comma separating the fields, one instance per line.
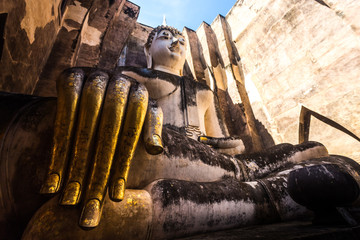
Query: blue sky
x=181, y=13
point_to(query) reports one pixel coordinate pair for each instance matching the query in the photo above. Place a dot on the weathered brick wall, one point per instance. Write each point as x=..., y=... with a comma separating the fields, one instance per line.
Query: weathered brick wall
x=93, y=35
x=302, y=53
x=133, y=53
x=30, y=29
x=65, y=47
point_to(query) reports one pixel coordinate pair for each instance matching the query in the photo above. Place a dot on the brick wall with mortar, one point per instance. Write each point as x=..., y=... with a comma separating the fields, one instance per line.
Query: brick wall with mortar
x=302, y=53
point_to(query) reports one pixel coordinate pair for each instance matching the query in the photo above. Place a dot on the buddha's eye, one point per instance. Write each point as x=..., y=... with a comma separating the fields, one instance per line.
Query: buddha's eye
x=182, y=41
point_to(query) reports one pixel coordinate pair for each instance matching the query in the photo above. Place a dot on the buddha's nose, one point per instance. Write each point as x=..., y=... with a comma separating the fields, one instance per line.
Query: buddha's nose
x=175, y=40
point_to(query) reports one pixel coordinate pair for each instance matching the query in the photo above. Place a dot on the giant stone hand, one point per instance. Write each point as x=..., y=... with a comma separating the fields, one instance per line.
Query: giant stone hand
x=99, y=119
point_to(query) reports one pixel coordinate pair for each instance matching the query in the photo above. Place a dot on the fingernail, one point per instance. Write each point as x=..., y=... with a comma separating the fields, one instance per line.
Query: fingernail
x=51, y=184
x=203, y=139
x=71, y=194
x=154, y=145
x=90, y=216
x=117, y=190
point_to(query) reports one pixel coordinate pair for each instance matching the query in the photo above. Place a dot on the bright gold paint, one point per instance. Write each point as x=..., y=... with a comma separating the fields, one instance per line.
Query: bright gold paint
x=90, y=106
x=153, y=129
x=108, y=133
x=90, y=216
x=69, y=87
x=135, y=116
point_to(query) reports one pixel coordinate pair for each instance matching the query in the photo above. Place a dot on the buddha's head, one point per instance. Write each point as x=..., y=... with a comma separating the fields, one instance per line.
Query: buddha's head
x=165, y=50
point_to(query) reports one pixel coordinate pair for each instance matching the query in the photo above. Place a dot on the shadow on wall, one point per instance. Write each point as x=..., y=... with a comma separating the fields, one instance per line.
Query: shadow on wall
x=3, y=17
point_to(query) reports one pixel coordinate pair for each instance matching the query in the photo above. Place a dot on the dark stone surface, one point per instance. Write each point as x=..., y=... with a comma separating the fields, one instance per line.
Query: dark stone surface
x=88, y=56
x=26, y=139
x=3, y=17
x=266, y=138
x=188, y=148
x=235, y=119
x=150, y=73
x=284, y=231
x=10, y=105
x=274, y=158
x=322, y=186
x=208, y=192
x=108, y=18
x=22, y=61
x=117, y=34
x=60, y=58
x=101, y=15
x=134, y=55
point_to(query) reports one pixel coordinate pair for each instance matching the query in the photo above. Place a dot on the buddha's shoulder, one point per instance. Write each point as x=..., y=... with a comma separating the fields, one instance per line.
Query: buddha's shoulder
x=146, y=74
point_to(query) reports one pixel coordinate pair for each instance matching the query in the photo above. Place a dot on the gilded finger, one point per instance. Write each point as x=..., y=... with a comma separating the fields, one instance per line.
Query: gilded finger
x=153, y=129
x=69, y=86
x=89, y=112
x=108, y=133
x=134, y=119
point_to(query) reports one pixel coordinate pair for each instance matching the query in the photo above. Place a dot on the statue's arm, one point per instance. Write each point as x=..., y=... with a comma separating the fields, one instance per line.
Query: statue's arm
x=216, y=134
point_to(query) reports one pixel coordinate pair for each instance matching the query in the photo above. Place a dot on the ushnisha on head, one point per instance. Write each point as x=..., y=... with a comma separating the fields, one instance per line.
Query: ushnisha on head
x=165, y=50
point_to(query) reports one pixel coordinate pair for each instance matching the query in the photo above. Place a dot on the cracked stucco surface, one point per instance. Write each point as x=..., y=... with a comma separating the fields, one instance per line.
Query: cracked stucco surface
x=36, y=16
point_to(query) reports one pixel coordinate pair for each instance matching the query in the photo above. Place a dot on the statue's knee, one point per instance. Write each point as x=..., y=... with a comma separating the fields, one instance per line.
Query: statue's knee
x=308, y=150
x=323, y=186
x=129, y=219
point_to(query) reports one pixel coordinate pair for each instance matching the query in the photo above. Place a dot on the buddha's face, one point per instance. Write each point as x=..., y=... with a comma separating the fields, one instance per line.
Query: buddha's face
x=167, y=52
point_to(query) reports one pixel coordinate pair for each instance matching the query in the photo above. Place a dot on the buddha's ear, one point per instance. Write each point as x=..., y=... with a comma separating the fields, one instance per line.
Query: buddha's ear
x=148, y=57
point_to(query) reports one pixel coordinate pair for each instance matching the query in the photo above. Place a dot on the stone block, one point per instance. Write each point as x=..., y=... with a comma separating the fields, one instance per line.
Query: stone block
x=195, y=57
x=134, y=54
x=28, y=39
x=63, y=51
x=212, y=55
x=117, y=34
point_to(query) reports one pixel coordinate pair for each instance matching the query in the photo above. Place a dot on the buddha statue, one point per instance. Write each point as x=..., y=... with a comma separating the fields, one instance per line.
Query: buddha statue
x=142, y=153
